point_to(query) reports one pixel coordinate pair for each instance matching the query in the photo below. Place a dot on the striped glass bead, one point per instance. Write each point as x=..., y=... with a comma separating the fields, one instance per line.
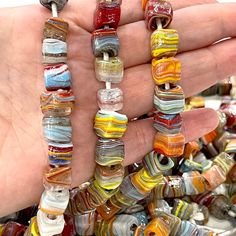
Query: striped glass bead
x=57, y=77
x=107, y=210
x=169, y=101
x=110, y=124
x=105, y=40
x=156, y=165
x=109, y=71
x=157, y=227
x=182, y=209
x=164, y=43
x=187, y=228
x=225, y=162
x=121, y=200
x=231, y=147
x=169, y=145
x=109, y=152
x=169, y=124
x=109, y=177
x=57, y=103
x=166, y=70
x=191, y=148
x=158, y=9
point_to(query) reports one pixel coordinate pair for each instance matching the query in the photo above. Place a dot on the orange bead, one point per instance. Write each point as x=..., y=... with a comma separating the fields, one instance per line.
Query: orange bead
x=157, y=227
x=191, y=148
x=208, y=138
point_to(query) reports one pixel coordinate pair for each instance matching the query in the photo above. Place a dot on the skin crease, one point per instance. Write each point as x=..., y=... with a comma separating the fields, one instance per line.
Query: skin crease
x=23, y=151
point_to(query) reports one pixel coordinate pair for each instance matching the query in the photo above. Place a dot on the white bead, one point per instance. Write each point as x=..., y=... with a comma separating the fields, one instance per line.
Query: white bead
x=49, y=227
x=54, y=202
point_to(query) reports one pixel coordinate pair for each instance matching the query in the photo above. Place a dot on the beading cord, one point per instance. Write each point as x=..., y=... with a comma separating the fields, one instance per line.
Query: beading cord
x=57, y=104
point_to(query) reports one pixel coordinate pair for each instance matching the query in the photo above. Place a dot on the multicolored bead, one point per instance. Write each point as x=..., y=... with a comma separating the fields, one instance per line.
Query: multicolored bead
x=32, y=230
x=225, y=162
x=170, y=124
x=110, y=99
x=191, y=149
x=107, y=210
x=164, y=43
x=166, y=70
x=182, y=209
x=121, y=199
x=109, y=71
x=105, y=41
x=231, y=147
x=157, y=227
x=48, y=4
x=110, y=124
x=170, y=145
x=169, y=101
x=155, y=9
x=187, y=228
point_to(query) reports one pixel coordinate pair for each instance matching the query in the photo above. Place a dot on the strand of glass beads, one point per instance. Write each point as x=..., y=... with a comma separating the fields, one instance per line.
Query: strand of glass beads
x=56, y=104
x=109, y=125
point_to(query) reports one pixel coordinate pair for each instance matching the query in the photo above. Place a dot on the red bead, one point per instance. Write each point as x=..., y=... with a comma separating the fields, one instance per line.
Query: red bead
x=155, y=9
x=107, y=14
x=13, y=229
x=230, y=111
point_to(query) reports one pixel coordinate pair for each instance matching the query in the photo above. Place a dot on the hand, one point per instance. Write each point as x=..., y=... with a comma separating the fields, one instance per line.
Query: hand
x=23, y=150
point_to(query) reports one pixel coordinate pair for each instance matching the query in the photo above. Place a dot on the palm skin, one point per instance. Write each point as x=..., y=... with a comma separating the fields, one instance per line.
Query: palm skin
x=23, y=157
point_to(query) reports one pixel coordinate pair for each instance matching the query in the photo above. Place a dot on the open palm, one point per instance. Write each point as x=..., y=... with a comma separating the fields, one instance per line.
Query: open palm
x=23, y=151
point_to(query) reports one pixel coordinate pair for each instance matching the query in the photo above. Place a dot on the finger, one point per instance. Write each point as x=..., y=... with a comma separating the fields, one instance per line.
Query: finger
x=82, y=12
x=198, y=27
x=140, y=135
x=200, y=69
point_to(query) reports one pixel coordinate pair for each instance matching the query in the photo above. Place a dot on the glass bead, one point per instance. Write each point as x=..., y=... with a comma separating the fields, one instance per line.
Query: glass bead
x=166, y=70
x=110, y=99
x=157, y=227
x=110, y=124
x=230, y=111
x=222, y=140
x=109, y=71
x=144, y=3
x=209, y=138
x=169, y=101
x=232, y=174
x=50, y=225
x=158, y=9
x=69, y=229
x=124, y=225
x=182, y=209
x=205, y=198
x=57, y=129
x=54, y=51
x=58, y=178
x=194, y=183
x=142, y=217
x=107, y=14
x=105, y=41
x=155, y=165
x=169, y=145
x=60, y=154
x=231, y=147
x=109, y=152
x=120, y=199
x=187, y=228
x=85, y=223
x=48, y=4
x=58, y=103
x=191, y=149
x=169, y=124
x=56, y=28
x=32, y=230
x=54, y=202
x=57, y=77
x=188, y=165
x=103, y=227
x=107, y=210
x=225, y=162
x=12, y=228
x=164, y=43
x=157, y=206
x=109, y=177
x=214, y=177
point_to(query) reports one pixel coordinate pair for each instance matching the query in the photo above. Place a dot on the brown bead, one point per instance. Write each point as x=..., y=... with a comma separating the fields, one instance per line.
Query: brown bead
x=155, y=9
x=56, y=28
x=48, y=4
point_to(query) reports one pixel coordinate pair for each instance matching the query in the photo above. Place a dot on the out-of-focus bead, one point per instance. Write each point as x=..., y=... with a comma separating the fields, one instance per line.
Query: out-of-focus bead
x=109, y=71
x=49, y=225
x=214, y=177
x=191, y=148
x=201, y=214
x=169, y=101
x=164, y=43
x=54, y=51
x=162, y=10
x=107, y=14
x=144, y=3
x=170, y=124
x=169, y=145
x=182, y=209
x=225, y=162
x=60, y=154
x=231, y=146
x=156, y=165
x=110, y=124
x=208, y=138
x=187, y=228
x=58, y=178
x=205, y=198
x=48, y=4
x=230, y=111
x=232, y=174
x=58, y=103
x=57, y=77
x=12, y=229
x=85, y=223
x=57, y=129
x=194, y=183
x=166, y=70
x=105, y=41
x=109, y=177
x=69, y=229
x=56, y=28
x=109, y=152
x=32, y=230
x=54, y=202
x=157, y=227
x=110, y=99
x=222, y=140
x=124, y=225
